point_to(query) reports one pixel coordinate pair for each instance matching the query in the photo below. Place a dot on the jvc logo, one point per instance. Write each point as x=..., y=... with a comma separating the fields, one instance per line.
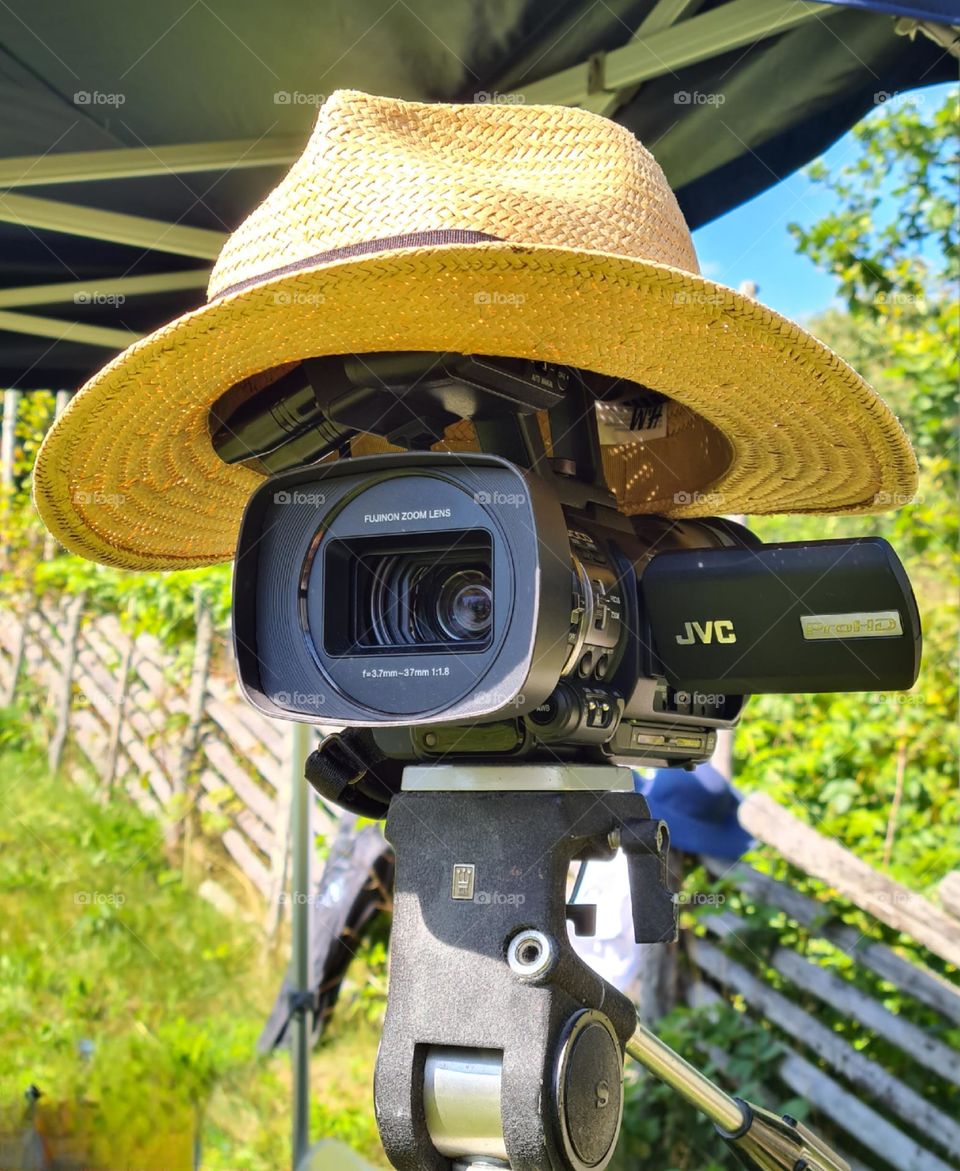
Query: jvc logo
x=715, y=630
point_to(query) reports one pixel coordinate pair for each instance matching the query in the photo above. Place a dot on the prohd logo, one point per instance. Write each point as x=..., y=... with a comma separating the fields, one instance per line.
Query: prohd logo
x=713, y=630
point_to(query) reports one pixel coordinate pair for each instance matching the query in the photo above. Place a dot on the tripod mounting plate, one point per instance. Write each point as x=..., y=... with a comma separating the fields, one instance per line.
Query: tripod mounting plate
x=517, y=778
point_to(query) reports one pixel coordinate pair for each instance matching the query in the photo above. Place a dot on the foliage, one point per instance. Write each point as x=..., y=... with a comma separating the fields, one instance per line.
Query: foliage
x=878, y=770
x=891, y=241
x=162, y=604
x=128, y=999
x=659, y=1128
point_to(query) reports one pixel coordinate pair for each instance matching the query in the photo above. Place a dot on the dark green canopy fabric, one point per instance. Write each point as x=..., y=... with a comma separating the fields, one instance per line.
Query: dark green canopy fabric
x=731, y=96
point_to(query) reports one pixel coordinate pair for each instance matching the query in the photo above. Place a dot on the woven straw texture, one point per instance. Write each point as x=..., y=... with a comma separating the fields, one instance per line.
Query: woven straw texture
x=591, y=266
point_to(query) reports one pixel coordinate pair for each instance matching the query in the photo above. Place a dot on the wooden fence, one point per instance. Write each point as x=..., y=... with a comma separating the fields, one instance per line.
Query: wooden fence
x=173, y=734
x=840, y=1039
x=169, y=730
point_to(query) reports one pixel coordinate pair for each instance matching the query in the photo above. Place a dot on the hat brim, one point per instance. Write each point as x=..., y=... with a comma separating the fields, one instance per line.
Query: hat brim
x=128, y=476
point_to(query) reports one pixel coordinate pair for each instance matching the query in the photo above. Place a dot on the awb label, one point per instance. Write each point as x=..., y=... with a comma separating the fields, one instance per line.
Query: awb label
x=631, y=423
x=872, y=624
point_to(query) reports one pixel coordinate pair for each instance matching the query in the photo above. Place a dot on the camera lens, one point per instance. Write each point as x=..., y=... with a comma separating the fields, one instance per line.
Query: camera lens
x=435, y=596
x=465, y=605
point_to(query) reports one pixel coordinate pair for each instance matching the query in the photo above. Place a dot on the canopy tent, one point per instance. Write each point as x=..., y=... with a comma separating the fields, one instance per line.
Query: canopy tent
x=136, y=137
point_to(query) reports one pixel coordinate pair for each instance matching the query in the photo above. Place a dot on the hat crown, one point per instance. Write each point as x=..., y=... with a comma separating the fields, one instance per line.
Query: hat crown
x=378, y=168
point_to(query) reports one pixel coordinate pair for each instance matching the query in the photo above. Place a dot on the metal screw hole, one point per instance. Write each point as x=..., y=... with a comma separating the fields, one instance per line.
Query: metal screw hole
x=530, y=953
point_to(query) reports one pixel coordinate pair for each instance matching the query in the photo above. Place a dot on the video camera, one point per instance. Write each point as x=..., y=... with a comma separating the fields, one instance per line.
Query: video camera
x=472, y=606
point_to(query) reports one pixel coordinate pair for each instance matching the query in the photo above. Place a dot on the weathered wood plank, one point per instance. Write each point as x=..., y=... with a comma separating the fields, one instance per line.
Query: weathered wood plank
x=241, y=852
x=245, y=743
x=239, y=739
x=119, y=714
x=189, y=742
x=95, y=681
x=145, y=764
x=218, y=752
x=64, y=685
x=245, y=726
x=260, y=837
x=949, y=892
x=891, y=1145
x=19, y=642
x=830, y=1099
x=223, y=761
x=90, y=738
x=868, y=1077
x=876, y=893
x=250, y=839
x=915, y=979
x=700, y=995
x=8, y=439
x=252, y=734
x=846, y=998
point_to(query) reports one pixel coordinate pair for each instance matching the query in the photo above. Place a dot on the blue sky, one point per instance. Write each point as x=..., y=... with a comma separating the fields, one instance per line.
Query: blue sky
x=752, y=243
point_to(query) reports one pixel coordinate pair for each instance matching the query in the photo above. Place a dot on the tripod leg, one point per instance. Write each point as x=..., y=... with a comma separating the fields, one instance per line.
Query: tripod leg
x=762, y=1141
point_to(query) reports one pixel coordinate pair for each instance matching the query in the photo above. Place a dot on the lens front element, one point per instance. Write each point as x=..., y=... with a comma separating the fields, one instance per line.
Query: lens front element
x=465, y=605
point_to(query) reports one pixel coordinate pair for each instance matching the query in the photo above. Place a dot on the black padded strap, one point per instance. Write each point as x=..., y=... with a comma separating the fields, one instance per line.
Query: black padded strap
x=344, y=770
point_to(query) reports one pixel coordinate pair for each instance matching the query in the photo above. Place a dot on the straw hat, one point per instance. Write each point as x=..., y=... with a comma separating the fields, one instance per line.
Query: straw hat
x=524, y=231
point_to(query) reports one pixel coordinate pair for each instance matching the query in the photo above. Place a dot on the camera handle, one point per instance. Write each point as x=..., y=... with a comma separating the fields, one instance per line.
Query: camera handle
x=501, y=1048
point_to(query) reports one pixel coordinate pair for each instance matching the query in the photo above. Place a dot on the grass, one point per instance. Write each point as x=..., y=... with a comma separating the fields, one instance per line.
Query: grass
x=134, y=1005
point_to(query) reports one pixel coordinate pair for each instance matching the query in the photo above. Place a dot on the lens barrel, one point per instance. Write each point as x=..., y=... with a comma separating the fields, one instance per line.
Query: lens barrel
x=407, y=600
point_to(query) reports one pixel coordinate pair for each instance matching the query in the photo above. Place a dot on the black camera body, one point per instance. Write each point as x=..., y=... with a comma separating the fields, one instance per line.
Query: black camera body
x=461, y=606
